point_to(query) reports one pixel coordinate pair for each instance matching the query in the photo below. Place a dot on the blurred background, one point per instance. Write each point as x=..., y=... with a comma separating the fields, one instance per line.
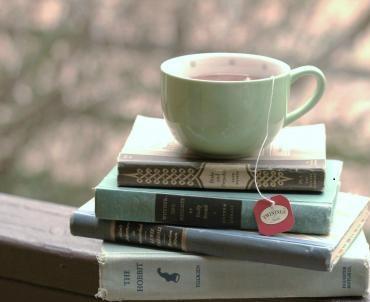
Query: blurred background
x=74, y=74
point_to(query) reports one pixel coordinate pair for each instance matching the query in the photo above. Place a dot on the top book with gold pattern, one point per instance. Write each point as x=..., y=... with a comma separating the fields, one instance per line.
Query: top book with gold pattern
x=151, y=157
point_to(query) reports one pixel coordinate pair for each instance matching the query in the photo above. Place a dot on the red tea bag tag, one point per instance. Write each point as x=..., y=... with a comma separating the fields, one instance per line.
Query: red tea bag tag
x=272, y=219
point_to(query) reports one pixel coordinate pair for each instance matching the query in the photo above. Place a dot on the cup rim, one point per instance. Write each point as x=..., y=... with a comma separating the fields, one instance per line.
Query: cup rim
x=164, y=67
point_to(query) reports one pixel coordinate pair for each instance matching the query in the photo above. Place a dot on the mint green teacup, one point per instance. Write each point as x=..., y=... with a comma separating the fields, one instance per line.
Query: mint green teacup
x=217, y=104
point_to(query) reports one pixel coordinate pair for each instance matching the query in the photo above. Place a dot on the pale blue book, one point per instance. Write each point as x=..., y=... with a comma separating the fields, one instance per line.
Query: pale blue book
x=135, y=273
x=213, y=208
x=287, y=249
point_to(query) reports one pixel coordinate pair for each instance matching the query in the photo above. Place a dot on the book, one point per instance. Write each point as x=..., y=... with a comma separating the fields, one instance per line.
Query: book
x=136, y=273
x=151, y=157
x=296, y=250
x=212, y=208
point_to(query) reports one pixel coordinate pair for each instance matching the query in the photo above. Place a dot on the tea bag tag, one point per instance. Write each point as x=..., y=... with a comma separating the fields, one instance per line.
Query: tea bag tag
x=273, y=218
x=273, y=215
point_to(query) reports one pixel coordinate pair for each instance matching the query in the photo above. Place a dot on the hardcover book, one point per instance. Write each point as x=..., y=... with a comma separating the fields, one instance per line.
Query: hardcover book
x=136, y=273
x=296, y=250
x=212, y=208
x=151, y=157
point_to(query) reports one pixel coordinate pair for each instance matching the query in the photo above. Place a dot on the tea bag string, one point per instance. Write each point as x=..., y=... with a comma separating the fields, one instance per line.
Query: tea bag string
x=263, y=145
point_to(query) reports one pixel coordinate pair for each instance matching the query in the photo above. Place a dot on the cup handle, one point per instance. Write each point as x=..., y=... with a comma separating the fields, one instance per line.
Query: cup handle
x=320, y=87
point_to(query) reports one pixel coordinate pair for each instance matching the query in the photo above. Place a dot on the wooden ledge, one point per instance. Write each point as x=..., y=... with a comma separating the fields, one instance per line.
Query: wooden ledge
x=37, y=249
x=42, y=261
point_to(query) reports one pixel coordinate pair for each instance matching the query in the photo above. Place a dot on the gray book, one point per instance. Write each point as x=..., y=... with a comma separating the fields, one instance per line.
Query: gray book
x=151, y=157
x=136, y=273
x=296, y=250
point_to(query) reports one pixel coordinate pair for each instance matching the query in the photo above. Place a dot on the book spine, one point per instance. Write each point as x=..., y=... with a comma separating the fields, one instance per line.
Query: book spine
x=214, y=175
x=138, y=276
x=231, y=244
x=187, y=210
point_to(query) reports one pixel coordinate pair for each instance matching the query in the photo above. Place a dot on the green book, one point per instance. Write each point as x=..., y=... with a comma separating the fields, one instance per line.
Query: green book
x=151, y=157
x=212, y=208
x=168, y=275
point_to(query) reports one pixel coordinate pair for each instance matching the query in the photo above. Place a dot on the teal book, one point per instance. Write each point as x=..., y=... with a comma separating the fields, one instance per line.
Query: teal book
x=136, y=273
x=287, y=249
x=212, y=208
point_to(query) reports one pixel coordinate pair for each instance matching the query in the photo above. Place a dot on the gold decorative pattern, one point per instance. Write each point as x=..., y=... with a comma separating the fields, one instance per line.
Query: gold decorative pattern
x=187, y=177
x=271, y=179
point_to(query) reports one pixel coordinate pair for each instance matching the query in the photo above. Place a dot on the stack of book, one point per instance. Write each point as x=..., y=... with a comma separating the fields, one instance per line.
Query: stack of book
x=161, y=197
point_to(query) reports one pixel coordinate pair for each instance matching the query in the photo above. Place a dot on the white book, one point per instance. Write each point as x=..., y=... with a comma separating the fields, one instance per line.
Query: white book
x=136, y=273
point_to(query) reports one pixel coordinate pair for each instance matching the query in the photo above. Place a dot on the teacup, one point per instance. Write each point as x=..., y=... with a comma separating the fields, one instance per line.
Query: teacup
x=222, y=104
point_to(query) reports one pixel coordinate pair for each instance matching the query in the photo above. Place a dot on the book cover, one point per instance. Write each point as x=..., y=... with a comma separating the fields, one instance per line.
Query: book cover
x=151, y=157
x=212, y=208
x=296, y=250
x=136, y=273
